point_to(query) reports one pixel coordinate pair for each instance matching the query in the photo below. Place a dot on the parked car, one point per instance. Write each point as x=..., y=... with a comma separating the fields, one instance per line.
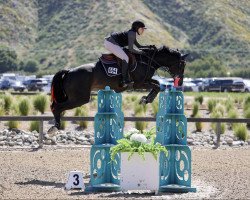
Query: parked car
x=189, y=86
x=247, y=85
x=5, y=84
x=17, y=86
x=226, y=85
x=33, y=84
x=203, y=86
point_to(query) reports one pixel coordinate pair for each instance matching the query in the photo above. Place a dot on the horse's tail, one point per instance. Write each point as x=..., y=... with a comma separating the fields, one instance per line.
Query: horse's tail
x=58, y=94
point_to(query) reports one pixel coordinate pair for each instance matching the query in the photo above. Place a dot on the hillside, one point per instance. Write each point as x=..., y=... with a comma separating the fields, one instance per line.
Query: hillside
x=59, y=34
x=220, y=28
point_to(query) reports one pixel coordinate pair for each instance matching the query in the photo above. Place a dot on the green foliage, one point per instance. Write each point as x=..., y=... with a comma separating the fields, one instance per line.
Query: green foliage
x=222, y=127
x=140, y=125
x=40, y=103
x=83, y=112
x=138, y=143
x=233, y=115
x=2, y=112
x=240, y=131
x=244, y=73
x=8, y=59
x=7, y=102
x=198, y=125
x=13, y=124
x=34, y=126
x=195, y=109
x=155, y=106
x=205, y=34
x=229, y=105
x=138, y=108
x=220, y=108
x=199, y=99
x=239, y=99
x=24, y=107
x=211, y=105
x=31, y=66
x=247, y=115
x=246, y=104
x=63, y=35
x=207, y=67
x=63, y=125
x=134, y=98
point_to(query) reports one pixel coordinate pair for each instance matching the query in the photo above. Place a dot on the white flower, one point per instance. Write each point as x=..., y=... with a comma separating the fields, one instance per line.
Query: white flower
x=138, y=138
x=133, y=131
x=130, y=132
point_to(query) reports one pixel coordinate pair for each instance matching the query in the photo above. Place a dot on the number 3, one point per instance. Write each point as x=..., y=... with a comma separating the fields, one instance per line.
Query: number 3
x=76, y=176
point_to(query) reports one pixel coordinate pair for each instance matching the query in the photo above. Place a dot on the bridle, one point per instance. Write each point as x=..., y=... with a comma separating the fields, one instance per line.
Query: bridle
x=152, y=60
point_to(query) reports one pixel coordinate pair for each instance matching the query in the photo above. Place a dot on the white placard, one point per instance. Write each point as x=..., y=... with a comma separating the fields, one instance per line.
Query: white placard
x=75, y=181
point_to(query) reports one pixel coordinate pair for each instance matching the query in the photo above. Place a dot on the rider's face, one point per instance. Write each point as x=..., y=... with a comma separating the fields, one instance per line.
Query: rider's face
x=140, y=31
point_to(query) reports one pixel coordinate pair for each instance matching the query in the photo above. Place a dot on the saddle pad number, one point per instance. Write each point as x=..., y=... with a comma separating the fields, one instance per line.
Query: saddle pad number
x=112, y=70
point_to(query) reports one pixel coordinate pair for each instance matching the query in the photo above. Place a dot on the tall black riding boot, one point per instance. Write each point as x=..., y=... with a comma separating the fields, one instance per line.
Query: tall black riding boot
x=125, y=74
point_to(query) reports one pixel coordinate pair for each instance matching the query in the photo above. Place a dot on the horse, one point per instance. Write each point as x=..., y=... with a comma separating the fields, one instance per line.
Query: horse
x=71, y=88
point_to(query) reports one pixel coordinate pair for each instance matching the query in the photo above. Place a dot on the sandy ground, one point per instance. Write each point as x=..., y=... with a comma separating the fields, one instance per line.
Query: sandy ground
x=42, y=174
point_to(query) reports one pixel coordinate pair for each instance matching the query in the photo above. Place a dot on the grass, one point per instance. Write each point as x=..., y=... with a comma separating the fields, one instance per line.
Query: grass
x=220, y=108
x=155, y=106
x=240, y=131
x=198, y=125
x=141, y=126
x=40, y=103
x=195, y=109
x=222, y=127
x=199, y=99
x=13, y=124
x=233, y=115
x=34, y=126
x=24, y=107
x=83, y=112
x=211, y=105
x=7, y=102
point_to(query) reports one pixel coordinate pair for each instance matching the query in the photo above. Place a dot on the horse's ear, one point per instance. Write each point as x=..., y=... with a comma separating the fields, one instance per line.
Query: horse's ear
x=183, y=57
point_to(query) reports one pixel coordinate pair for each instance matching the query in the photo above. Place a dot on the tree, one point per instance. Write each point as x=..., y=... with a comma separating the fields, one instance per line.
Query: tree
x=206, y=67
x=31, y=66
x=8, y=59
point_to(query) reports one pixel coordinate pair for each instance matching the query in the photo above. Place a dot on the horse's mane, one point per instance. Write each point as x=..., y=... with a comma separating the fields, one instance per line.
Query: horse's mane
x=169, y=50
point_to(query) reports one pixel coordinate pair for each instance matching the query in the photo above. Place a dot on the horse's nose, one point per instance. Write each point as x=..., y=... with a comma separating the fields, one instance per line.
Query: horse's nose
x=176, y=81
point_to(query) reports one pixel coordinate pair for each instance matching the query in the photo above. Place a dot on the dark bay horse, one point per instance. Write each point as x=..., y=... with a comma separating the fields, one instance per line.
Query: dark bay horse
x=71, y=88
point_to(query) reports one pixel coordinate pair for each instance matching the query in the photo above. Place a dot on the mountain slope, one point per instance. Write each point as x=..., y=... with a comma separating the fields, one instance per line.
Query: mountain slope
x=18, y=24
x=221, y=28
x=72, y=32
x=63, y=33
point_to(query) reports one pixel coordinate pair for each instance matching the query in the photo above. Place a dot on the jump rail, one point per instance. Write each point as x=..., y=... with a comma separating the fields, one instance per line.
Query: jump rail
x=41, y=119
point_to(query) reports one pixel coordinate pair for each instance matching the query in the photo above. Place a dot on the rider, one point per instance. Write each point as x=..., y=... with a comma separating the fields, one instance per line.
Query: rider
x=117, y=40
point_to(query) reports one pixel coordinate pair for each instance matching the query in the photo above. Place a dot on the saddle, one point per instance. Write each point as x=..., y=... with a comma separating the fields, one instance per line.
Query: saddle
x=113, y=65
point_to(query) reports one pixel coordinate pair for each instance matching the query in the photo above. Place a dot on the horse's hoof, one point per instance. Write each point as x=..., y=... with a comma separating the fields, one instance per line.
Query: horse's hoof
x=53, y=130
x=143, y=101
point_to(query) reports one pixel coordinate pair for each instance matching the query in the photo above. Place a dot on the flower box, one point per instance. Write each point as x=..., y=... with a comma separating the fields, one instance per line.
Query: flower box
x=139, y=174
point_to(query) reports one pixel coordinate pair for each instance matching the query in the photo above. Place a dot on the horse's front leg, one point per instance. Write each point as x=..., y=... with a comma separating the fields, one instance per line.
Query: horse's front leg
x=155, y=85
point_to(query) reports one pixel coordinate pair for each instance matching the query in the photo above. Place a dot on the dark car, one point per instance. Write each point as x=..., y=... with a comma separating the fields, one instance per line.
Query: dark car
x=226, y=85
x=5, y=84
x=33, y=84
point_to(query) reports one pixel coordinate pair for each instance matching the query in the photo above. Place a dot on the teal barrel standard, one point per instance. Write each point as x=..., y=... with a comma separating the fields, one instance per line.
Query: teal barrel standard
x=109, y=123
x=109, y=120
x=171, y=123
x=171, y=131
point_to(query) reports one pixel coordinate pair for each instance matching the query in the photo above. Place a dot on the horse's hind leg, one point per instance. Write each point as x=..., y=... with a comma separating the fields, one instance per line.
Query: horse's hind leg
x=58, y=108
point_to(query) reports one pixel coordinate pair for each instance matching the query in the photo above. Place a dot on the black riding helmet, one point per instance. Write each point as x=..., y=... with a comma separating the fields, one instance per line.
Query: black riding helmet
x=138, y=24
